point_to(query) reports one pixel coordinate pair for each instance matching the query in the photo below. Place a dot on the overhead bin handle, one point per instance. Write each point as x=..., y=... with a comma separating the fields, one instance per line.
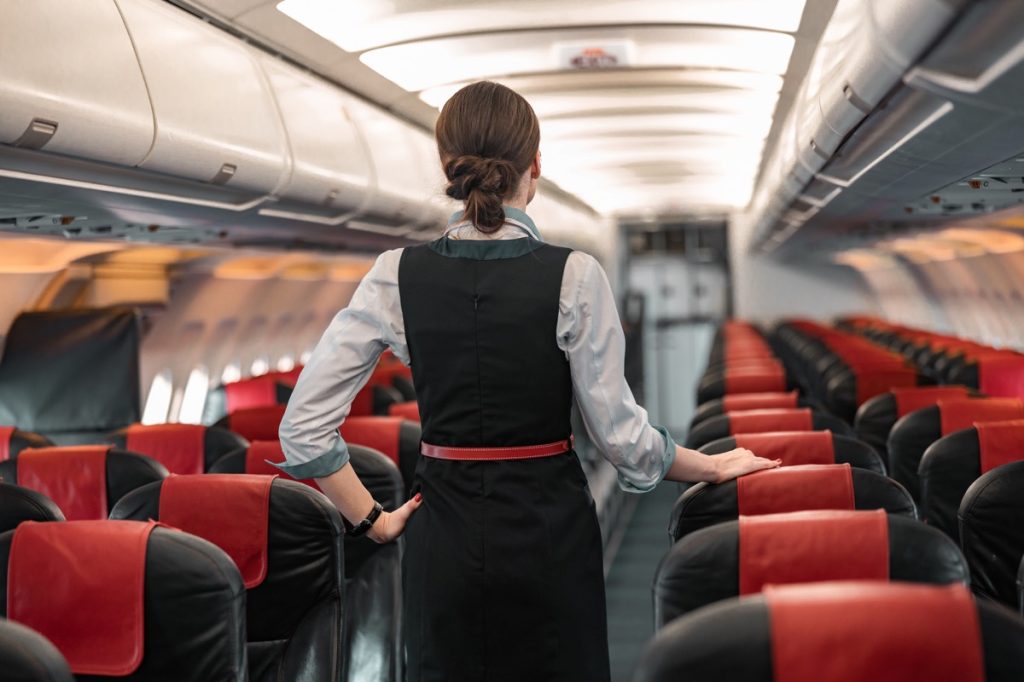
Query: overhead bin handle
x=226, y=172
x=37, y=134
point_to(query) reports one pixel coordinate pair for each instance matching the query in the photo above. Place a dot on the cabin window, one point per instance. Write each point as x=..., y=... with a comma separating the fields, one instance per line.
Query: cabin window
x=158, y=401
x=192, y=402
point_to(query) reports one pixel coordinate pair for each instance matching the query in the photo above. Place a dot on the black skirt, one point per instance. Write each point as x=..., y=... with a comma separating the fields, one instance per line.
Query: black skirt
x=502, y=574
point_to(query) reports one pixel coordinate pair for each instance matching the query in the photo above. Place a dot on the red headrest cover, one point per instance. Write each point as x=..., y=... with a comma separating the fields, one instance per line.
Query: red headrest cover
x=81, y=584
x=738, y=402
x=255, y=392
x=883, y=632
x=958, y=414
x=259, y=455
x=792, y=447
x=362, y=404
x=1000, y=443
x=74, y=477
x=379, y=433
x=812, y=546
x=872, y=382
x=230, y=510
x=257, y=423
x=5, y=441
x=756, y=381
x=912, y=399
x=409, y=410
x=762, y=421
x=1001, y=375
x=179, y=447
x=796, y=488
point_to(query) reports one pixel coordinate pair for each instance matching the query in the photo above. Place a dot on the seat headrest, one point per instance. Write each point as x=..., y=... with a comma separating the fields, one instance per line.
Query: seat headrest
x=230, y=510
x=1001, y=375
x=760, y=421
x=812, y=546
x=957, y=414
x=93, y=576
x=1000, y=443
x=380, y=433
x=179, y=447
x=19, y=504
x=256, y=423
x=74, y=477
x=6, y=432
x=851, y=632
x=408, y=410
x=872, y=381
x=737, y=402
x=792, y=447
x=754, y=380
x=248, y=393
x=796, y=488
x=911, y=399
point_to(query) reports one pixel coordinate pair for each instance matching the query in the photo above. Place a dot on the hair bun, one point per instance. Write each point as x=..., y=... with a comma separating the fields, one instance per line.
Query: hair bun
x=482, y=183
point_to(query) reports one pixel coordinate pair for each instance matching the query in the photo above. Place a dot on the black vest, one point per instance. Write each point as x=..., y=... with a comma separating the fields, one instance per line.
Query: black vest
x=480, y=320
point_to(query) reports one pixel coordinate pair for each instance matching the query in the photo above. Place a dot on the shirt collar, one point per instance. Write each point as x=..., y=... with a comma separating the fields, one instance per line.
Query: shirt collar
x=513, y=216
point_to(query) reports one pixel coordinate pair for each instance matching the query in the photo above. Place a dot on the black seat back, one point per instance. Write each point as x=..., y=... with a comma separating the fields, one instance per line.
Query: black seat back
x=27, y=656
x=789, y=447
x=723, y=425
x=19, y=504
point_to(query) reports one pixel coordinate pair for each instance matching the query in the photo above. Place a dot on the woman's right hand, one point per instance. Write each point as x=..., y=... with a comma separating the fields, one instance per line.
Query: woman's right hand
x=390, y=525
x=739, y=462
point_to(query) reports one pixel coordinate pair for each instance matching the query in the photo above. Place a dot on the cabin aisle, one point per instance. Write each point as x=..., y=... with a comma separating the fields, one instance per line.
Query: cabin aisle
x=630, y=609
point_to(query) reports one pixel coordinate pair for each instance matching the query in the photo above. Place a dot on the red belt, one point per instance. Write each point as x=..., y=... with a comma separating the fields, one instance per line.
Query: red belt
x=517, y=452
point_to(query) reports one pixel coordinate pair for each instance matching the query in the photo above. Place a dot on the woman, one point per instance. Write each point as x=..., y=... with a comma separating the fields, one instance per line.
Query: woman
x=502, y=571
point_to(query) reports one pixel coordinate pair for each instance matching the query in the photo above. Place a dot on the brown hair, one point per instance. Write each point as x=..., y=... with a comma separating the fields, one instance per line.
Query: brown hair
x=487, y=137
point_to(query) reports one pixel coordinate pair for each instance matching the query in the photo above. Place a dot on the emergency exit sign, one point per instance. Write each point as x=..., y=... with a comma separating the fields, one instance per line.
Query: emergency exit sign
x=584, y=56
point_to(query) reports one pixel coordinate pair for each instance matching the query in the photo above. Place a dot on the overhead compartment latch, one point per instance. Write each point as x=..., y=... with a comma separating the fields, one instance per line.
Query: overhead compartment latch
x=39, y=132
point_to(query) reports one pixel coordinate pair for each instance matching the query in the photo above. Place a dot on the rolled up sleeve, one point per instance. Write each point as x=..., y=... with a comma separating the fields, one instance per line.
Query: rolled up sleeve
x=337, y=370
x=590, y=333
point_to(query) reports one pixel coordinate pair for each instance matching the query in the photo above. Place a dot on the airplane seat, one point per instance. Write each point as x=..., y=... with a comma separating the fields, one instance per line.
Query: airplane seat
x=1020, y=587
x=407, y=410
x=85, y=482
x=741, y=557
x=991, y=521
x=127, y=600
x=261, y=391
x=739, y=402
x=743, y=380
x=27, y=656
x=286, y=540
x=763, y=421
x=19, y=504
x=994, y=372
x=405, y=387
x=254, y=423
x=787, y=489
x=373, y=602
x=182, y=448
x=849, y=387
x=951, y=464
x=840, y=632
x=875, y=418
x=802, y=447
x=912, y=434
x=13, y=441
x=396, y=437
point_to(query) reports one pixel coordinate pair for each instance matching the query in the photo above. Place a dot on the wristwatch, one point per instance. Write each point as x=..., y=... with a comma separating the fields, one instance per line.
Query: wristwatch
x=367, y=523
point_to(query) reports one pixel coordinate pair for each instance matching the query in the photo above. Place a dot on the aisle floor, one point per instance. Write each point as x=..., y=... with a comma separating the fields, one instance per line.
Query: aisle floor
x=628, y=587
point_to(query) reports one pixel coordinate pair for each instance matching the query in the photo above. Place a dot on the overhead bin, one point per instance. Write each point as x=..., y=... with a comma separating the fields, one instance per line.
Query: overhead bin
x=70, y=83
x=215, y=116
x=331, y=173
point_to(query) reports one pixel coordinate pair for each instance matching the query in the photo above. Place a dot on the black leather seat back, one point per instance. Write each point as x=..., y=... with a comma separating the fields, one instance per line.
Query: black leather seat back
x=717, y=427
x=706, y=504
x=294, y=617
x=194, y=611
x=704, y=566
x=27, y=656
x=19, y=504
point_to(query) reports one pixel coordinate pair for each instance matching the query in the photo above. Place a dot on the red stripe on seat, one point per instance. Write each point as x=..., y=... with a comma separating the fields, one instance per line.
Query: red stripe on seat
x=882, y=632
x=958, y=414
x=6, y=432
x=409, y=410
x=912, y=399
x=248, y=393
x=230, y=510
x=379, y=433
x=797, y=488
x=1000, y=443
x=812, y=546
x=257, y=423
x=872, y=382
x=762, y=421
x=792, y=447
x=1001, y=375
x=75, y=478
x=738, y=402
x=758, y=381
x=81, y=584
x=179, y=447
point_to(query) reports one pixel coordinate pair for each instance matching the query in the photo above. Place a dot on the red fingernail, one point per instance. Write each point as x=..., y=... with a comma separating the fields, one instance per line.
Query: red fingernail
x=418, y=497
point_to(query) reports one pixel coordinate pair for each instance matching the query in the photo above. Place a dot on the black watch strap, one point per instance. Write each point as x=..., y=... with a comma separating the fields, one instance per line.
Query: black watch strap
x=367, y=523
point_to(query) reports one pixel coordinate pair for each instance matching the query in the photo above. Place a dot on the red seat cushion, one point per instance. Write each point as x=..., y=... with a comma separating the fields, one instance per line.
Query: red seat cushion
x=812, y=546
x=796, y=488
x=81, y=584
x=230, y=510
x=912, y=399
x=958, y=414
x=75, y=478
x=761, y=421
x=882, y=632
x=1000, y=443
x=792, y=447
x=6, y=432
x=179, y=447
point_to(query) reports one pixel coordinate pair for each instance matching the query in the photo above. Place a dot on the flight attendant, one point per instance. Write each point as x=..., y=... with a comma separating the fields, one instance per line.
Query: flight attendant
x=502, y=571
